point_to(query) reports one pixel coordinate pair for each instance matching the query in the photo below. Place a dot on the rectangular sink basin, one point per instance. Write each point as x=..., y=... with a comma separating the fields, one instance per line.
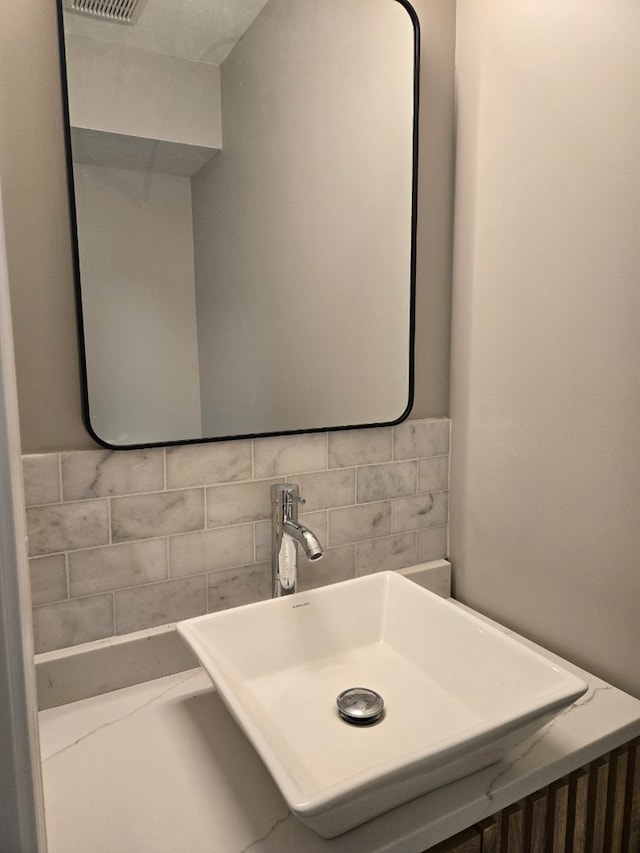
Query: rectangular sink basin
x=458, y=694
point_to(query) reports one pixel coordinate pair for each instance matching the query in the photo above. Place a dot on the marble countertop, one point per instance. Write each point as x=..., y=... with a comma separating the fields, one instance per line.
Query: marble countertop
x=161, y=767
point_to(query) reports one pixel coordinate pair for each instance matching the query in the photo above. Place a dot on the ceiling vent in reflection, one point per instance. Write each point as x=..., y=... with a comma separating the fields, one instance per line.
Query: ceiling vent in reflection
x=116, y=11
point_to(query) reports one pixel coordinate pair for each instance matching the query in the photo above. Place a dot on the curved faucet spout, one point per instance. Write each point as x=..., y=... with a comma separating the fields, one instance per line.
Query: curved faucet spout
x=307, y=538
x=287, y=533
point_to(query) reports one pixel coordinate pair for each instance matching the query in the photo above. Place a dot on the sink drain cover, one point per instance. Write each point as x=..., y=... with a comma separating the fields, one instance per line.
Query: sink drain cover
x=360, y=706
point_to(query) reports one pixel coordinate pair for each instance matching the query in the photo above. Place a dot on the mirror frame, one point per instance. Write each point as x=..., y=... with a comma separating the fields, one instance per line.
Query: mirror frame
x=84, y=381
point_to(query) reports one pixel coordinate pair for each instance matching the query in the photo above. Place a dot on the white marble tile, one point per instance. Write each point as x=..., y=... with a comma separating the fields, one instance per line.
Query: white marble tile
x=364, y=521
x=359, y=447
x=141, y=510
x=234, y=587
x=421, y=511
x=208, y=464
x=117, y=566
x=48, y=579
x=68, y=623
x=389, y=480
x=433, y=474
x=65, y=527
x=41, y=473
x=326, y=489
x=239, y=503
x=413, y=439
x=417, y=512
x=211, y=550
x=159, y=514
x=103, y=473
x=316, y=521
x=337, y=564
x=432, y=544
x=289, y=454
x=263, y=537
x=381, y=555
x=160, y=603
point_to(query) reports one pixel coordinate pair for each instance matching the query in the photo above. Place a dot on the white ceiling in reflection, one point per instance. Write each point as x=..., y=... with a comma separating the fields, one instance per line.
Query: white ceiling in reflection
x=200, y=30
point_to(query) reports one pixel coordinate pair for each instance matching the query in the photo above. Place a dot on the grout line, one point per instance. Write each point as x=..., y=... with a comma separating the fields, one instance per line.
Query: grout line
x=225, y=483
x=354, y=546
x=164, y=469
x=66, y=574
x=113, y=592
x=226, y=526
x=205, y=507
x=205, y=572
x=60, y=477
x=253, y=460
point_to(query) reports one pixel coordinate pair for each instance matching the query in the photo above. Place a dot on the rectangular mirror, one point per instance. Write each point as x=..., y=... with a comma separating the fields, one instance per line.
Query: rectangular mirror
x=243, y=182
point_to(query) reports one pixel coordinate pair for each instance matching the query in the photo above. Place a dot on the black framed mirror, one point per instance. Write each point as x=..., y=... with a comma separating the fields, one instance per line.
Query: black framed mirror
x=243, y=194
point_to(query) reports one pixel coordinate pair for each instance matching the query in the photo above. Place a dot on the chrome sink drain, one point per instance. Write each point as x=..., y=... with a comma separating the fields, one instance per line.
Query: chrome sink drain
x=360, y=706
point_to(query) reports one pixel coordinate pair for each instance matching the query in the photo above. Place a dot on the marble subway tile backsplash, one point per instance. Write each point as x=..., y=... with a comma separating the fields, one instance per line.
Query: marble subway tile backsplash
x=67, y=527
x=125, y=540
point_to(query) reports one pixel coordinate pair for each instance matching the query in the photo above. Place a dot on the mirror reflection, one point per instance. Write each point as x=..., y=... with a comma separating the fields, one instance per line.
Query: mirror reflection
x=243, y=175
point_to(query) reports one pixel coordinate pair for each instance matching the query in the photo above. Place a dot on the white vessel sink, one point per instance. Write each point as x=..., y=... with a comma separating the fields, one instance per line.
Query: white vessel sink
x=458, y=694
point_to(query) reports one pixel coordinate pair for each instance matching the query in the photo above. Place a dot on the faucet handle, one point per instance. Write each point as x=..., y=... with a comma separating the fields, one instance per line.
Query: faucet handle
x=286, y=494
x=292, y=498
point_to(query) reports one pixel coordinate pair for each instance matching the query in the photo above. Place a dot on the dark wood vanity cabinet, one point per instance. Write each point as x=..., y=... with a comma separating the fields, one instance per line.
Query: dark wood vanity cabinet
x=595, y=809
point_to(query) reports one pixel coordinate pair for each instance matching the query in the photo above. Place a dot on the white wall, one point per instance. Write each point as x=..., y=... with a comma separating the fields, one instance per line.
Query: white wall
x=545, y=517
x=136, y=263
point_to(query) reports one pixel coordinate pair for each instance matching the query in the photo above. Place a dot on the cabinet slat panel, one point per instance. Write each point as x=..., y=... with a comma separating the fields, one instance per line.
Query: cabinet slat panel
x=558, y=816
x=618, y=767
x=578, y=810
x=513, y=829
x=595, y=809
x=631, y=822
x=598, y=788
x=536, y=822
x=490, y=832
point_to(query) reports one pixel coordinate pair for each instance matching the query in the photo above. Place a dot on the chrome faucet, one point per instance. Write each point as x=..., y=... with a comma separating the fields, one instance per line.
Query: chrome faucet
x=287, y=533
